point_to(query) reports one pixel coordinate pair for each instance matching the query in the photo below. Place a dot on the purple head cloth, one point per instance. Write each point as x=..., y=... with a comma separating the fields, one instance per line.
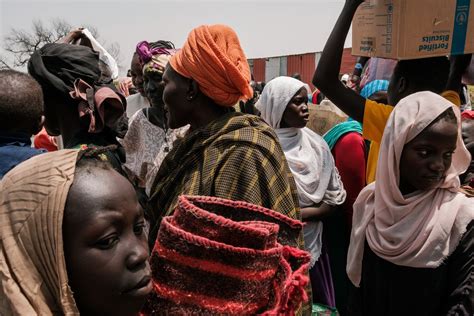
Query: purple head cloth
x=145, y=53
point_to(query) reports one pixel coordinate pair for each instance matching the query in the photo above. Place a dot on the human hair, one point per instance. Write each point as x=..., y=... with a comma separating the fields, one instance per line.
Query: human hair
x=426, y=74
x=21, y=102
x=296, y=75
x=162, y=44
x=159, y=44
x=94, y=158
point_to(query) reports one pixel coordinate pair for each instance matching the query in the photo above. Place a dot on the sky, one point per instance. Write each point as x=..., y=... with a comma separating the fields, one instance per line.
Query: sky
x=266, y=28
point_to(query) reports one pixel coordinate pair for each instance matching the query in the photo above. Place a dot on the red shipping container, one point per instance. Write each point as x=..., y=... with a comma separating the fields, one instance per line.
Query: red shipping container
x=304, y=64
x=348, y=62
x=259, y=69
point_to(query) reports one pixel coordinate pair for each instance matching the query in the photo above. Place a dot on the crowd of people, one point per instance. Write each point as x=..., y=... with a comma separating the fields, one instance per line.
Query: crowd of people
x=188, y=188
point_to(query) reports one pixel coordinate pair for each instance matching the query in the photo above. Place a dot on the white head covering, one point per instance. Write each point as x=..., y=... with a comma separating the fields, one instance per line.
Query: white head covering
x=420, y=229
x=309, y=157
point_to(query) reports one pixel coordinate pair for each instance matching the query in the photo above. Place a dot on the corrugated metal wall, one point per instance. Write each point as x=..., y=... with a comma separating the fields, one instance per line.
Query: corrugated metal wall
x=259, y=69
x=272, y=68
x=304, y=65
x=348, y=61
x=275, y=67
x=283, y=66
x=265, y=69
x=317, y=58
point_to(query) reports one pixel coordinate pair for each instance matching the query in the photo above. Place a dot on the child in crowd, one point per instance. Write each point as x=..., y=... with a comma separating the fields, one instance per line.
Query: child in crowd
x=72, y=238
x=412, y=232
x=410, y=76
x=21, y=108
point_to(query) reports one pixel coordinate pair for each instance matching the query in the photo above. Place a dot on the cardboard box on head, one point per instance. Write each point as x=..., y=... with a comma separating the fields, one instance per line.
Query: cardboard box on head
x=411, y=29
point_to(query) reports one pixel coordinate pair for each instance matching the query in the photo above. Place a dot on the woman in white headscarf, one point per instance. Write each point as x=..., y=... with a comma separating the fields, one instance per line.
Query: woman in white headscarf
x=412, y=240
x=283, y=105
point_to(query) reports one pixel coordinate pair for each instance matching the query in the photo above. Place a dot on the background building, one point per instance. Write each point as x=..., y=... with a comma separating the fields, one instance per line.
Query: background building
x=265, y=69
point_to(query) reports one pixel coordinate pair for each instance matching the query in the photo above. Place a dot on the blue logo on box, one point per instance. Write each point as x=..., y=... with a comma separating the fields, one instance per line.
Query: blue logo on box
x=461, y=18
x=460, y=26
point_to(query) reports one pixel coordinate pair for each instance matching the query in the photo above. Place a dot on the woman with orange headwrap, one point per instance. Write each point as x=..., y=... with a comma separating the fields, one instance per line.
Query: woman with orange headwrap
x=226, y=154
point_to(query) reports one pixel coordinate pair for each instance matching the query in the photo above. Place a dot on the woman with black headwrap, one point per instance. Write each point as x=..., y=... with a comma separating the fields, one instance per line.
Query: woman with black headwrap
x=79, y=105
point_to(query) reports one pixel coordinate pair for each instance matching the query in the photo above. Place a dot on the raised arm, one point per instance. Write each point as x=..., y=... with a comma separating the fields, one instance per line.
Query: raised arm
x=326, y=76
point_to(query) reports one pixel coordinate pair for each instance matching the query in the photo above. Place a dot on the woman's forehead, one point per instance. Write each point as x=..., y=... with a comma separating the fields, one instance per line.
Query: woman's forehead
x=438, y=133
x=99, y=188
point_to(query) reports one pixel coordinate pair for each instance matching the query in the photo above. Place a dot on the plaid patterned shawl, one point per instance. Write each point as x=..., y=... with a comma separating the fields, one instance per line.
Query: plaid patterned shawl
x=238, y=157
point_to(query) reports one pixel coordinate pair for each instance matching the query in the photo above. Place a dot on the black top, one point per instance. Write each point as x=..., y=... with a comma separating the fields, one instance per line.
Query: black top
x=388, y=289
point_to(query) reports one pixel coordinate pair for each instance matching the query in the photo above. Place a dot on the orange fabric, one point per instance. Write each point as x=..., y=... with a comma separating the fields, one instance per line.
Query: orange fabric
x=44, y=141
x=213, y=57
x=375, y=118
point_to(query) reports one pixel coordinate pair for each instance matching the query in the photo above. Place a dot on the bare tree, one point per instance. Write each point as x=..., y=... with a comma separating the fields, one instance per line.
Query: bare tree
x=20, y=44
x=3, y=63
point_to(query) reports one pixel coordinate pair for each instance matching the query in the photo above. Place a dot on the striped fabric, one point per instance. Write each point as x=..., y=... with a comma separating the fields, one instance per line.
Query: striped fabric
x=216, y=256
x=374, y=87
x=33, y=276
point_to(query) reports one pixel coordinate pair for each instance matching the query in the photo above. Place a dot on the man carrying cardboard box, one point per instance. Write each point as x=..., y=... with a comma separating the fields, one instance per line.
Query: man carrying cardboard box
x=410, y=76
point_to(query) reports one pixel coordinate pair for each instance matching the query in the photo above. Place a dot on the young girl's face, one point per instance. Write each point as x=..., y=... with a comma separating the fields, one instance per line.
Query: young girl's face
x=105, y=244
x=426, y=159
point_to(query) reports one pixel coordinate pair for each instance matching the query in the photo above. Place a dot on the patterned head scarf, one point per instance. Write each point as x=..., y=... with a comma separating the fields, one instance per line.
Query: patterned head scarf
x=153, y=59
x=374, y=87
x=33, y=272
x=212, y=56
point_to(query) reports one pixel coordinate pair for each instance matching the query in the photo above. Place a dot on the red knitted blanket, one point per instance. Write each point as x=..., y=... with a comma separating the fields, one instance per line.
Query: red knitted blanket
x=216, y=256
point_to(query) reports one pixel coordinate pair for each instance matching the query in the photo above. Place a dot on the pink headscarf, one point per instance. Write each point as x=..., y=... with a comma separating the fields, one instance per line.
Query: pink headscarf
x=420, y=229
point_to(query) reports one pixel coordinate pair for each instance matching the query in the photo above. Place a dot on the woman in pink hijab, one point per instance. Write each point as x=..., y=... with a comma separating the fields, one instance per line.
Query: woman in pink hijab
x=412, y=240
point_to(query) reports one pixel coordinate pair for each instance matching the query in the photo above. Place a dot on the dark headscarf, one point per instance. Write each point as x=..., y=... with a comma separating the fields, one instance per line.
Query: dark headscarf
x=73, y=71
x=57, y=66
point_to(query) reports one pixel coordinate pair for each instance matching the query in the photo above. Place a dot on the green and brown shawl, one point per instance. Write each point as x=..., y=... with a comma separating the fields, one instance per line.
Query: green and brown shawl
x=237, y=157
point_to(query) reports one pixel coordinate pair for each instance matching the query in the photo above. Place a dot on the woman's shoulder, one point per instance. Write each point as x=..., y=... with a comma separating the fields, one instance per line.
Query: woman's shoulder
x=245, y=130
x=246, y=123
